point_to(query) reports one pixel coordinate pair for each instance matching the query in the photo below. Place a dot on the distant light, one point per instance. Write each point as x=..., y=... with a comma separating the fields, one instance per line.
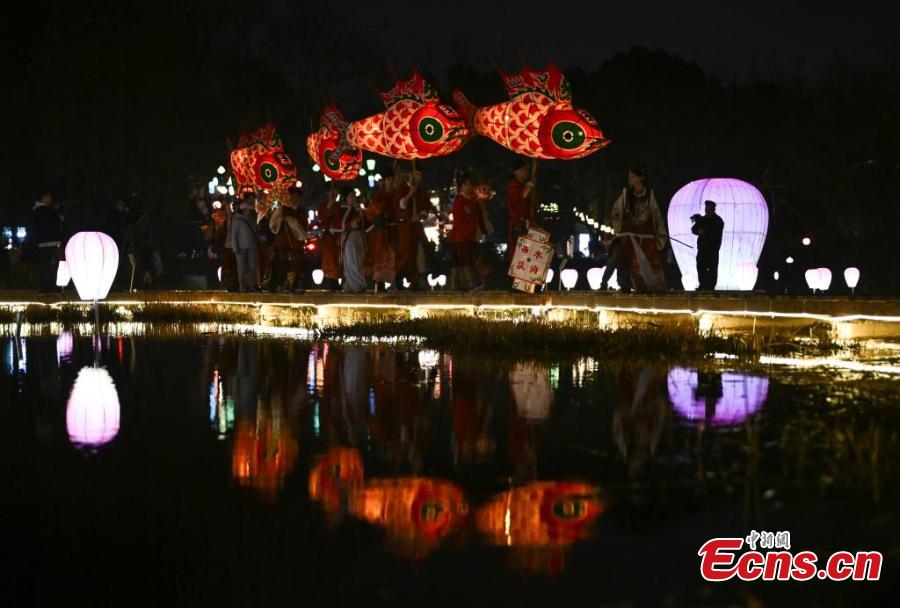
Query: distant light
x=219, y=273
x=807, y=241
x=442, y=280
x=337, y=198
x=311, y=215
x=62, y=274
x=21, y=232
x=298, y=184
x=435, y=200
x=569, y=277
x=776, y=275
x=378, y=177
x=406, y=283
x=550, y=275
x=316, y=168
x=370, y=165
x=357, y=191
x=362, y=171
x=851, y=277
x=228, y=182
x=221, y=189
x=217, y=204
x=432, y=280
x=824, y=278
x=812, y=278
x=231, y=190
x=318, y=276
x=220, y=170
x=789, y=260
x=429, y=359
x=327, y=179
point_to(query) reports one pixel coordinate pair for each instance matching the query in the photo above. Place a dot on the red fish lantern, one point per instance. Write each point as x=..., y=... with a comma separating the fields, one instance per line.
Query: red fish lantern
x=414, y=124
x=260, y=160
x=327, y=148
x=539, y=120
x=337, y=472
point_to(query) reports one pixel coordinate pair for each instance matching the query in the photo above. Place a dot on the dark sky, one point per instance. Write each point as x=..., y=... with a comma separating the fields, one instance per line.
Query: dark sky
x=733, y=39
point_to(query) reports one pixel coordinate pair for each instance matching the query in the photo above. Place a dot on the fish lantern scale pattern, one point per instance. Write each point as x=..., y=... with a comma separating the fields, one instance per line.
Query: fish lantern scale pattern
x=746, y=215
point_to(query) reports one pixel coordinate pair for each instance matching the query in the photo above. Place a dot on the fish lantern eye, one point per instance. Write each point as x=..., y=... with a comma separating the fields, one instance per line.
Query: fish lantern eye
x=268, y=172
x=568, y=508
x=428, y=128
x=332, y=159
x=567, y=135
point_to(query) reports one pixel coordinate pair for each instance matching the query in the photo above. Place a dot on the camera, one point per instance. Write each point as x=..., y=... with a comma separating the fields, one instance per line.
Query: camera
x=696, y=217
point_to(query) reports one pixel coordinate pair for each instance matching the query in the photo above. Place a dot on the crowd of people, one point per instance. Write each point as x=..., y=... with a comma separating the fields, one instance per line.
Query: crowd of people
x=258, y=242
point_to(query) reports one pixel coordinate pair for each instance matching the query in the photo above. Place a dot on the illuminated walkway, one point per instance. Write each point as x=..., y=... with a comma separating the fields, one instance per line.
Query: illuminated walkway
x=846, y=317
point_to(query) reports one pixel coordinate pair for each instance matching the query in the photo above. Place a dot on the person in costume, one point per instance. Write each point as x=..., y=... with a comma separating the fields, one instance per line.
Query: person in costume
x=466, y=220
x=246, y=248
x=381, y=250
x=409, y=203
x=265, y=238
x=519, y=194
x=289, y=256
x=637, y=221
x=331, y=219
x=353, y=244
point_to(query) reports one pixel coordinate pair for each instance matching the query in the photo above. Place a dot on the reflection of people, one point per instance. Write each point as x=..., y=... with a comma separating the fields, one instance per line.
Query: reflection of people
x=640, y=417
x=709, y=387
x=637, y=220
x=708, y=228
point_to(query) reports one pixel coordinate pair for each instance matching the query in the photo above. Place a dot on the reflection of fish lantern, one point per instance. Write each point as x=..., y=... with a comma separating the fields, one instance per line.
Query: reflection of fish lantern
x=337, y=472
x=530, y=386
x=746, y=216
x=540, y=514
x=539, y=120
x=92, y=413
x=264, y=452
x=417, y=513
x=326, y=148
x=732, y=397
x=414, y=124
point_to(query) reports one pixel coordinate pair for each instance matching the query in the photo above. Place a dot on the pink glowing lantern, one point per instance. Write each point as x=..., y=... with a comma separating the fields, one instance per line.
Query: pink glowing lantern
x=93, y=259
x=824, y=280
x=569, y=278
x=746, y=216
x=62, y=274
x=729, y=398
x=812, y=278
x=93, y=411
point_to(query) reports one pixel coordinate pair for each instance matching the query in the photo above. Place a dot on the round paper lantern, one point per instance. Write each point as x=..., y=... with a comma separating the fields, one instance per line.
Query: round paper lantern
x=432, y=280
x=550, y=275
x=595, y=278
x=824, y=278
x=729, y=398
x=442, y=280
x=92, y=414
x=62, y=274
x=812, y=278
x=746, y=216
x=851, y=277
x=569, y=277
x=93, y=259
x=318, y=275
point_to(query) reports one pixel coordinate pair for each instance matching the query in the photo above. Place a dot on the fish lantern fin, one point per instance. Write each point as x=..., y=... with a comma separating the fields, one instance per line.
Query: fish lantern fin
x=551, y=83
x=415, y=89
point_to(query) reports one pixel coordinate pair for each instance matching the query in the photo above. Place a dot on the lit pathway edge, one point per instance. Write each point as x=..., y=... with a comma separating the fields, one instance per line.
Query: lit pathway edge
x=849, y=317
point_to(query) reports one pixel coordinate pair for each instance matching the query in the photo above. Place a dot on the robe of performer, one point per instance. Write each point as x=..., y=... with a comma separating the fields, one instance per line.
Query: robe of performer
x=409, y=235
x=521, y=213
x=639, y=224
x=331, y=221
x=466, y=218
x=289, y=248
x=353, y=253
x=381, y=250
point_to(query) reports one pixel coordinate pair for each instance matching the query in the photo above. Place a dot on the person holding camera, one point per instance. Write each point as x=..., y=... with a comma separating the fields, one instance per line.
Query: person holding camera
x=708, y=228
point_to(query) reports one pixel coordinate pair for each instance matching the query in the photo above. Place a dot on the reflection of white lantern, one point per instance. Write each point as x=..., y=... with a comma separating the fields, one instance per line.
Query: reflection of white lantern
x=824, y=278
x=442, y=280
x=746, y=216
x=318, y=275
x=851, y=277
x=428, y=359
x=92, y=413
x=530, y=385
x=595, y=278
x=93, y=259
x=65, y=343
x=62, y=274
x=725, y=399
x=569, y=277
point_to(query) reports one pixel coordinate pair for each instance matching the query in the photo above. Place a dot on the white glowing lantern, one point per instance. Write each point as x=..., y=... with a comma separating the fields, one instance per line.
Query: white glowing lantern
x=362, y=172
x=550, y=275
x=776, y=275
x=62, y=274
x=851, y=277
x=370, y=164
x=222, y=189
x=405, y=283
x=806, y=241
x=442, y=280
x=812, y=278
x=318, y=275
x=746, y=216
x=569, y=277
x=316, y=168
x=824, y=278
x=220, y=170
x=595, y=278
x=789, y=260
x=327, y=179
x=219, y=273
x=435, y=200
x=432, y=280
x=93, y=411
x=93, y=259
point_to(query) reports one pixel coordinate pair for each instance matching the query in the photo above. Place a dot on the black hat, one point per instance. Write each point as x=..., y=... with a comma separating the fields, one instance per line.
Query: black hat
x=518, y=163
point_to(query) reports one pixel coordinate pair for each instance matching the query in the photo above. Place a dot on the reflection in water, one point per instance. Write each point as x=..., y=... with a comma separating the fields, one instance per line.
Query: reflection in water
x=640, y=417
x=92, y=413
x=724, y=398
x=539, y=519
x=335, y=476
x=64, y=345
x=530, y=386
x=416, y=512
